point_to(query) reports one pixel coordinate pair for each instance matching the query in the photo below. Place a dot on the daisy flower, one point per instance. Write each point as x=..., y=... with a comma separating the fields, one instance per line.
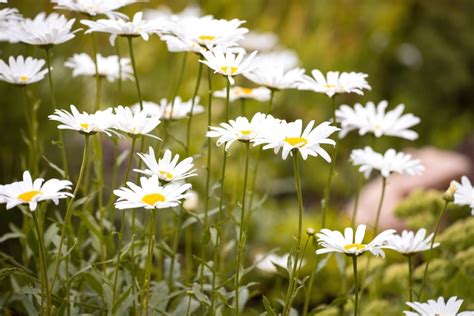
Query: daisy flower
x=109, y=67
x=464, y=194
x=121, y=27
x=9, y=17
x=197, y=33
x=45, y=30
x=291, y=137
x=163, y=12
x=261, y=94
x=229, y=62
x=135, y=123
x=388, y=163
x=259, y=41
x=372, y=119
x=85, y=123
x=439, y=307
x=22, y=71
x=240, y=129
x=181, y=109
x=31, y=192
x=167, y=169
x=335, y=82
x=93, y=7
x=409, y=243
x=150, y=194
x=350, y=244
x=276, y=70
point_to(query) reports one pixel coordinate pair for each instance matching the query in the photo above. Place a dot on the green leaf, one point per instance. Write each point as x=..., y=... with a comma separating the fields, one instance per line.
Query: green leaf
x=268, y=307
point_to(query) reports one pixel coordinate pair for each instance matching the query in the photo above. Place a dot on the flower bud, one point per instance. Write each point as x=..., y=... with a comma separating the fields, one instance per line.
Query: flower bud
x=310, y=231
x=448, y=195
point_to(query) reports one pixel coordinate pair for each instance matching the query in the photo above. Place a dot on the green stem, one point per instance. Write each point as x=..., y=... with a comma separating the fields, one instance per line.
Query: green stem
x=53, y=105
x=356, y=286
x=410, y=278
x=120, y=79
x=178, y=84
x=438, y=223
x=270, y=102
x=97, y=75
x=294, y=273
x=132, y=57
x=193, y=102
x=356, y=202
x=45, y=297
x=178, y=223
x=241, y=241
x=147, y=280
x=379, y=208
x=122, y=224
x=32, y=122
x=221, y=206
x=67, y=218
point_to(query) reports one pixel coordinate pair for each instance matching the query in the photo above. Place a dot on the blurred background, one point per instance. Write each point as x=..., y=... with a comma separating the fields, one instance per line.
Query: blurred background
x=416, y=52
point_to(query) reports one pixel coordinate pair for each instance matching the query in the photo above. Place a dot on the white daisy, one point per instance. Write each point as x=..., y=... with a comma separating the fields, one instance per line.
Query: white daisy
x=165, y=13
x=371, y=119
x=31, y=192
x=261, y=94
x=409, y=242
x=94, y=7
x=464, y=194
x=437, y=308
x=267, y=262
x=335, y=82
x=291, y=136
x=195, y=33
x=168, y=168
x=181, y=109
x=276, y=70
x=240, y=129
x=9, y=17
x=135, y=123
x=83, y=65
x=45, y=30
x=150, y=194
x=350, y=244
x=259, y=41
x=100, y=121
x=229, y=62
x=22, y=71
x=389, y=162
x=121, y=27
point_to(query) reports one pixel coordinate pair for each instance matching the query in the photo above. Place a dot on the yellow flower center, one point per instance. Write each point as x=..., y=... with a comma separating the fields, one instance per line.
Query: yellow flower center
x=167, y=174
x=247, y=90
x=356, y=246
x=296, y=141
x=153, y=198
x=84, y=125
x=28, y=196
x=246, y=132
x=329, y=86
x=228, y=70
x=24, y=78
x=206, y=37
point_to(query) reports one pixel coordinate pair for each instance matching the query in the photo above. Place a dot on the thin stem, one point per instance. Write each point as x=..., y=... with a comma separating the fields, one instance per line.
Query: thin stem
x=32, y=123
x=294, y=274
x=120, y=79
x=356, y=286
x=310, y=287
x=178, y=84
x=379, y=208
x=67, y=218
x=221, y=205
x=270, y=102
x=147, y=280
x=438, y=223
x=53, y=105
x=410, y=278
x=46, y=299
x=97, y=75
x=122, y=224
x=241, y=241
x=193, y=102
x=132, y=57
x=327, y=188
x=356, y=202
x=178, y=223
